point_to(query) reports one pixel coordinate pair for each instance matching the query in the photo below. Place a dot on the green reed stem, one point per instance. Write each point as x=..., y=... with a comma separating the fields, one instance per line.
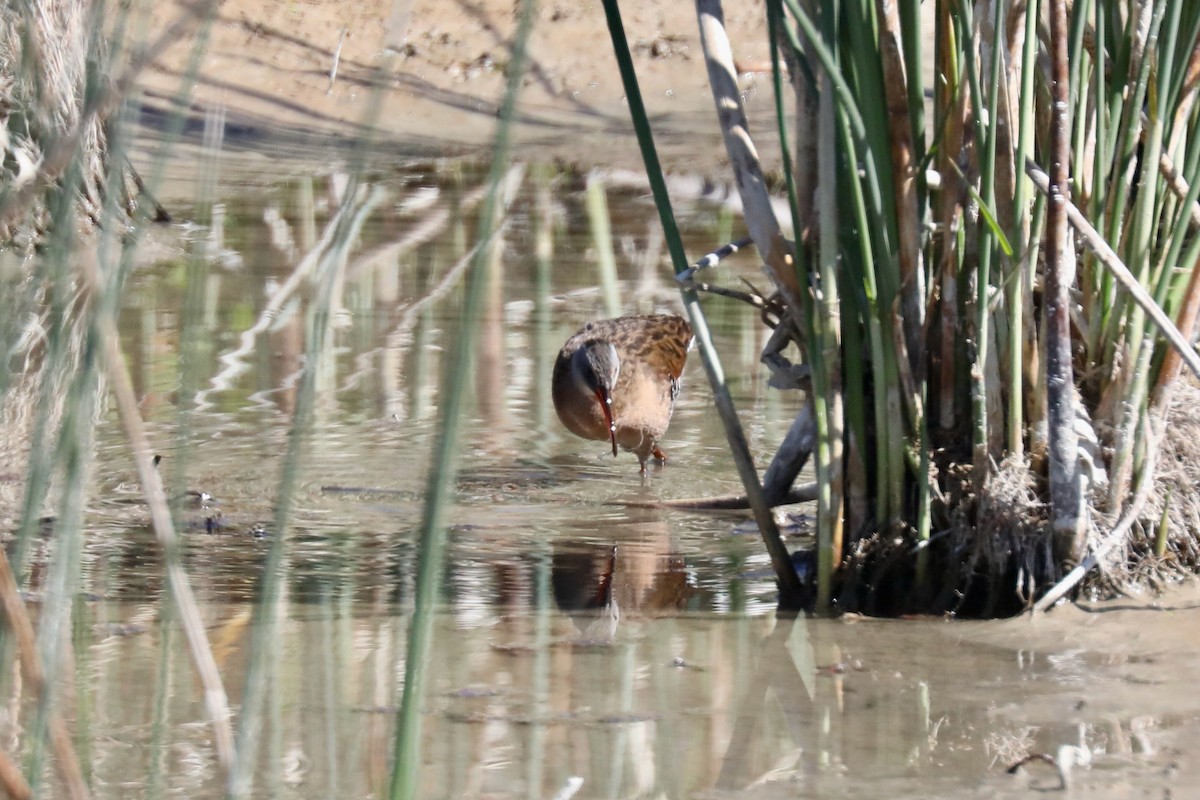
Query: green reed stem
x=444, y=470
x=1015, y=289
x=159, y=744
x=67, y=450
x=348, y=224
x=826, y=340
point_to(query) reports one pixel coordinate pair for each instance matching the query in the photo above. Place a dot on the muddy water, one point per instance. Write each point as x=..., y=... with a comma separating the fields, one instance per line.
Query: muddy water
x=581, y=644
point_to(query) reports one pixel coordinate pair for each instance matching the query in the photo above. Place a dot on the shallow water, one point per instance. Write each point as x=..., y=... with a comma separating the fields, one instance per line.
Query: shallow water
x=579, y=641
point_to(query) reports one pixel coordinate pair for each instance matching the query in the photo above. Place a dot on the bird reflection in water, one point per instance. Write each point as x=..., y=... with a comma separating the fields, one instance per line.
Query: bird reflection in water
x=599, y=584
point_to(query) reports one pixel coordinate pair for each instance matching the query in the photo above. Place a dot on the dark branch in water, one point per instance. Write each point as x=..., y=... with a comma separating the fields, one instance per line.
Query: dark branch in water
x=729, y=502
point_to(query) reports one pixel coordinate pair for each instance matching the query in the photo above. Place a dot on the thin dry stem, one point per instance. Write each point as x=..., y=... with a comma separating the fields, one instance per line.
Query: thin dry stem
x=12, y=782
x=64, y=750
x=908, y=214
x=164, y=530
x=1108, y=257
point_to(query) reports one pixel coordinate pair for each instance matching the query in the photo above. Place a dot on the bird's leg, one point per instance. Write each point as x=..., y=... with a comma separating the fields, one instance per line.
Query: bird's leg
x=659, y=455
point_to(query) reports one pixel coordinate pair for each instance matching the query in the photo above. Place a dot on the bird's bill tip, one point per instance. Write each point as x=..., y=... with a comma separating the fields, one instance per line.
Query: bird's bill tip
x=605, y=400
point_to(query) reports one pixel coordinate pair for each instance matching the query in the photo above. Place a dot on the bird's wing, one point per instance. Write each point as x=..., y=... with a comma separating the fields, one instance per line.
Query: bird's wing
x=669, y=345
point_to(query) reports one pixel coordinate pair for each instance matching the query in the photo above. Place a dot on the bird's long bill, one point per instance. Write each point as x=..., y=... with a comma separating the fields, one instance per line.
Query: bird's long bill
x=606, y=406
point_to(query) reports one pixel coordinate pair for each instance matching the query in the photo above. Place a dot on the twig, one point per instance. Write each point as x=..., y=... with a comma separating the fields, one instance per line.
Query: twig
x=712, y=259
x=755, y=300
x=337, y=57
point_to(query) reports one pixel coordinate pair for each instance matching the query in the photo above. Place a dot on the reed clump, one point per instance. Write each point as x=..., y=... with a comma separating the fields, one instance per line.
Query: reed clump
x=993, y=295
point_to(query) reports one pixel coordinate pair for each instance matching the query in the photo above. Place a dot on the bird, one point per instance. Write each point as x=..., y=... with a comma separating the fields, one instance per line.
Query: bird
x=617, y=380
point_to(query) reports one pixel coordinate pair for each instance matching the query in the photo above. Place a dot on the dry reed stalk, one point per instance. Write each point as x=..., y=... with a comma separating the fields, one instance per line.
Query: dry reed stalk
x=949, y=218
x=904, y=184
x=1172, y=363
x=31, y=665
x=12, y=782
x=804, y=161
x=1112, y=262
x=215, y=697
x=776, y=251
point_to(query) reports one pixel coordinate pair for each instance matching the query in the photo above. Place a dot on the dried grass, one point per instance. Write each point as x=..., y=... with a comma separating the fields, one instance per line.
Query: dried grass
x=1136, y=567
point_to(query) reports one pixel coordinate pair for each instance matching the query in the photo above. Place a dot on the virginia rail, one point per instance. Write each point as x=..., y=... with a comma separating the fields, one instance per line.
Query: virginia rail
x=617, y=379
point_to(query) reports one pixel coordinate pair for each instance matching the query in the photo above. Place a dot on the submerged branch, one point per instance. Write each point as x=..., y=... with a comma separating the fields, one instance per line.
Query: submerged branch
x=793, y=454
x=806, y=493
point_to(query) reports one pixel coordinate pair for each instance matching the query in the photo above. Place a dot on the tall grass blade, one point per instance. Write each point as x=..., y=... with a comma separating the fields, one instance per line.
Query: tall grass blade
x=444, y=469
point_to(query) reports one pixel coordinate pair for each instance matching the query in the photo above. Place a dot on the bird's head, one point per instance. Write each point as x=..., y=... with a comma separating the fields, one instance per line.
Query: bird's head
x=598, y=367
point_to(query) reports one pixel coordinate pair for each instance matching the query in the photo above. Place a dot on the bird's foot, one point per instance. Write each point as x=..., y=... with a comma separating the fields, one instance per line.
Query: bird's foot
x=659, y=456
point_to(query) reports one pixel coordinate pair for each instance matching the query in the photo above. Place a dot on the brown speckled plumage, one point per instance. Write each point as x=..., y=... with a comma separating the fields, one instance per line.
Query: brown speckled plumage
x=647, y=353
